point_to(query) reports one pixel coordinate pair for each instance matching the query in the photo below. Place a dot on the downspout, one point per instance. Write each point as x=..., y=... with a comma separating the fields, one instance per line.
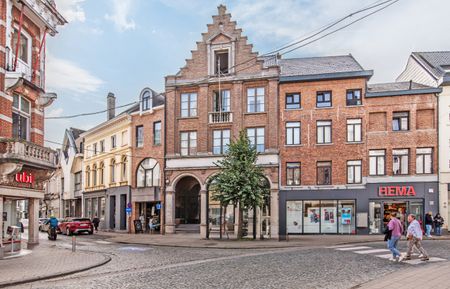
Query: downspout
x=437, y=155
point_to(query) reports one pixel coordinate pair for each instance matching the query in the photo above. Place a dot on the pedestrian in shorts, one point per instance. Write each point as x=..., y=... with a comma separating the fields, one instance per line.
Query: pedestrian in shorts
x=414, y=236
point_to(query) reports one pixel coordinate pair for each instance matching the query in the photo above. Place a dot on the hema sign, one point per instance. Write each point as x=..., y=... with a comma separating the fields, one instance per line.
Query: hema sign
x=396, y=191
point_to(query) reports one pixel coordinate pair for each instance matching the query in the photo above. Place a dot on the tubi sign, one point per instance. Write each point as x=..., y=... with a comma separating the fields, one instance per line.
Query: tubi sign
x=396, y=191
x=25, y=178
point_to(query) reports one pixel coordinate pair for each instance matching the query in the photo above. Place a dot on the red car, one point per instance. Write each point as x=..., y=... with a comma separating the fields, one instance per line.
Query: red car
x=71, y=226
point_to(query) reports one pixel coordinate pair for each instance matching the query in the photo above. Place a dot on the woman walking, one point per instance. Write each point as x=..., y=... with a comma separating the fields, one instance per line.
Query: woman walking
x=395, y=228
x=438, y=222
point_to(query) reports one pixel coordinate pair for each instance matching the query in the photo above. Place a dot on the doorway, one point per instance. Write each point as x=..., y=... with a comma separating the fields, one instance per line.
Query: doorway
x=379, y=210
x=187, y=201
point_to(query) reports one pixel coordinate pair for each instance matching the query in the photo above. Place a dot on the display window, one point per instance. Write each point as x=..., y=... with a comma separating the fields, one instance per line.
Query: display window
x=346, y=214
x=328, y=217
x=294, y=214
x=311, y=216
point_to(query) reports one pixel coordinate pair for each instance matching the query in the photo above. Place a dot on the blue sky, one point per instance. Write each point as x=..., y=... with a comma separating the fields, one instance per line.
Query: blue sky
x=123, y=46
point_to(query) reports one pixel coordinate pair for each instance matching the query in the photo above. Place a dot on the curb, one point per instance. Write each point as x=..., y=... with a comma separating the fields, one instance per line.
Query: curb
x=34, y=279
x=252, y=248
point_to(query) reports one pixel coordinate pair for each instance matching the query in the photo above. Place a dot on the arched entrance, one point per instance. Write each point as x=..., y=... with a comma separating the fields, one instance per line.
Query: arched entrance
x=187, y=203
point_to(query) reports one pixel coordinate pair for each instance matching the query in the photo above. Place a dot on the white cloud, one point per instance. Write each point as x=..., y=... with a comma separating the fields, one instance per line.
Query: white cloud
x=66, y=75
x=120, y=14
x=71, y=10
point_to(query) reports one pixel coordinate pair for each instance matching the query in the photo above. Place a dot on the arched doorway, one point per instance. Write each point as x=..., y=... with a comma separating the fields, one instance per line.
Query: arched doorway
x=187, y=203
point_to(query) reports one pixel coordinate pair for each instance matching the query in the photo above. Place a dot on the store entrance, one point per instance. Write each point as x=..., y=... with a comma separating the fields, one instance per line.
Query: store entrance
x=395, y=207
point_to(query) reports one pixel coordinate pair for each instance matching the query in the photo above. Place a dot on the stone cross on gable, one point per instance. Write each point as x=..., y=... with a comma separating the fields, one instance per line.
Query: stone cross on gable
x=222, y=9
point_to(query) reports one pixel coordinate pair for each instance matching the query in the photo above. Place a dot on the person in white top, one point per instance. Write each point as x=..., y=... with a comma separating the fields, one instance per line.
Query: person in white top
x=414, y=236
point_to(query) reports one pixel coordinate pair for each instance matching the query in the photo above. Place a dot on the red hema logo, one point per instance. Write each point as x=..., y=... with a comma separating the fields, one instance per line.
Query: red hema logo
x=396, y=191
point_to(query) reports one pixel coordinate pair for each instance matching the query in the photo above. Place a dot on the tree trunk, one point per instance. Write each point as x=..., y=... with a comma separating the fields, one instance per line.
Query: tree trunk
x=220, y=222
x=254, y=222
x=240, y=222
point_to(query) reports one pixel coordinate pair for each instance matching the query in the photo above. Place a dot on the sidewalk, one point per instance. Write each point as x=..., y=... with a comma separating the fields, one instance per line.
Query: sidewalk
x=434, y=276
x=190, y=240
x=47, y=262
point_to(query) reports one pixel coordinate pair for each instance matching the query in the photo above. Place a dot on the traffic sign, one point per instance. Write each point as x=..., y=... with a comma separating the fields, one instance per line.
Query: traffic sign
x=128, y=210
x=158, y=206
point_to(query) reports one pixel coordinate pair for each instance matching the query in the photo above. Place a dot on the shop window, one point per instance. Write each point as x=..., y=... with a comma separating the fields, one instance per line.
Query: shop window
x=148, y=173
x=328, y=217
x=188, y=143
x=256, y=137
x=311, y=216
x=424, y=161
x=346, y=214
x=400, y=121
x=354, y=97
x=139, y=136
x=102, y=208
x=293, y=101
x=323, y=99
x=21, y=117
x=354, y=172
x=323, y=131
x=95, y=207
x=221, y=141
x=354, y=130
x=400, y=161
x=222, y=101
x=294, y=217
x=157, y=133
x=293, y=174
x=324, y=173
x=255, y=99
x=377, y=160
x=293, y=133
x=188, y=104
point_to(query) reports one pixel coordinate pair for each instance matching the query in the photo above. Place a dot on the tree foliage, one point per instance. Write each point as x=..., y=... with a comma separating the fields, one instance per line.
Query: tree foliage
x=240, y=180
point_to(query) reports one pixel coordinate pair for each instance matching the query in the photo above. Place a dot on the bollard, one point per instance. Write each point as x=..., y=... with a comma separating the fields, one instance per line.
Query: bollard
x=74, y=243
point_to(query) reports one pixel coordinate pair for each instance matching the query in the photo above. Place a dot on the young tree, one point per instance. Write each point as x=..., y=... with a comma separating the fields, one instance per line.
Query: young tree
x=240, y=181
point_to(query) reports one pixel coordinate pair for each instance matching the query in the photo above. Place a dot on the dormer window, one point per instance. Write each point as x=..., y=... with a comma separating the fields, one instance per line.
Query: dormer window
x=146, y=103
x=221, y=61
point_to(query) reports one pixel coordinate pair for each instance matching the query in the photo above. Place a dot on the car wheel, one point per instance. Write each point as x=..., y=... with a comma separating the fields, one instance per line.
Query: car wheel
x=68, y=232
x=90, y=232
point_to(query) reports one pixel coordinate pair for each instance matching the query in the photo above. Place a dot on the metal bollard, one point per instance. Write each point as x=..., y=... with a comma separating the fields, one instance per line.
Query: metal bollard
x=74, y=243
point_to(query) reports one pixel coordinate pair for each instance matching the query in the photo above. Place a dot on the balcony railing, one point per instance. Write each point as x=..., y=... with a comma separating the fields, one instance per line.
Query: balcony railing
x=220, y=117
x=27, y=153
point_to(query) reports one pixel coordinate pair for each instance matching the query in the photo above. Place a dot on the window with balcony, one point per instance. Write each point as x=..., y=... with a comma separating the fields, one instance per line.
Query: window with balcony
x=354, y=169
x=424, y=161
x=221, y=61
x=293, y=174
x=255, y=99
x=256, y=137
x=377, y=160
x=221, y=141
x=323, y=99
x=293, y=133
x=354, y=97
x=354, y=130
x=188, y=143
x=188, y=104
x=293, y=101
x=323, y=131
x=324, y=173
x=139, y=136
x=221, y=107
x=400, y=121
x=400, y=161
x=24, y=52
x=157, y=133
x=21, y=117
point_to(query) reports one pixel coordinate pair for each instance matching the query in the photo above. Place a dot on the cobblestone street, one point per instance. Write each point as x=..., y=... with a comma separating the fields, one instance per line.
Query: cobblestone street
x=139, y=266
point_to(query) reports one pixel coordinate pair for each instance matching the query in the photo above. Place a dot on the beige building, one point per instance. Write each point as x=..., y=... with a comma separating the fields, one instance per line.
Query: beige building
x=106, y=170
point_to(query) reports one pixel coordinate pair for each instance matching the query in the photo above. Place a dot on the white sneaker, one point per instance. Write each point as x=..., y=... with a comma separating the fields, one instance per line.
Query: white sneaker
x=392, y=259
x=421, y=256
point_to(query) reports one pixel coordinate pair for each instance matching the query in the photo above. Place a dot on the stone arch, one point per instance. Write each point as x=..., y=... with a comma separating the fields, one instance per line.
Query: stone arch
x=174, y=182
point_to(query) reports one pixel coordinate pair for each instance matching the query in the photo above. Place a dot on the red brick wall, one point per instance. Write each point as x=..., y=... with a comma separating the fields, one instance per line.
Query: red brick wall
x=309, y=152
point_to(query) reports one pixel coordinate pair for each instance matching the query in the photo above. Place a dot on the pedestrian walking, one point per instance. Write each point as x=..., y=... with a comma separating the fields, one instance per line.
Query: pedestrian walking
x=396, y=230
x=428, y=224
x=414, y=237
x=438, y=222
x=96, y=222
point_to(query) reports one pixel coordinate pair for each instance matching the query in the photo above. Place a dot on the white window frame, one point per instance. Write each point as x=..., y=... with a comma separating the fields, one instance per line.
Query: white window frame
x=191, y=109
x=188, y=143
x=401, y=166
x=22, y=113
x=354, y=130
x=424, y=156
x=28, y=63
x=324, y=131
x=377, y=161
x=256, y=100
x=291, y=169
x=293, y=133
x=256, y=135
x=354, y=172
x=221, y=141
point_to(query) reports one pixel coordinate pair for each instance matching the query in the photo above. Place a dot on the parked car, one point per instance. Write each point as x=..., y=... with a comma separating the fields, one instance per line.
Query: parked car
x=71, y=226
x=42, y=225
x=45, y=225
x=24, y=223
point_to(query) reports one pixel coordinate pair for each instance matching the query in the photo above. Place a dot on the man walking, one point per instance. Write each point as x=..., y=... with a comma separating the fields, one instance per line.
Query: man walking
x=396, y=228
x=414, y=236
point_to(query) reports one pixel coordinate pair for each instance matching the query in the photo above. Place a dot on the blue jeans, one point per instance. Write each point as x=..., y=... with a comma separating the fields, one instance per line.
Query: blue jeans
x=392, y=245
x=428, y=230
x=438, y=230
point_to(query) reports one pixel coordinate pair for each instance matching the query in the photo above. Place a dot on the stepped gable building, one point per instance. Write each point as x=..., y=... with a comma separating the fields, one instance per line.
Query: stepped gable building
x=24, y=162
x=223, y=88
x=432, y=68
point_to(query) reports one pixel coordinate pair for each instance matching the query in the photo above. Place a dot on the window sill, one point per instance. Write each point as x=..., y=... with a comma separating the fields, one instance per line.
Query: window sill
x=401, y=131
x=293, y=109
x=354, y=142
x=293, y=145
x=325, y=107
x=324, y=144
x=187, y=117
x=353, y=105
x=259, y=112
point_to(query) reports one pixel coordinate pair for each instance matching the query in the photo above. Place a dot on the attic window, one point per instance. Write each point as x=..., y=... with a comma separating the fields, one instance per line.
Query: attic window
x=146, y=101
x=221, y=62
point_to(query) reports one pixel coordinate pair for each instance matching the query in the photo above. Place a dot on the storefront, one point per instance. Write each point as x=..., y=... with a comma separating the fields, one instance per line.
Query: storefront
x=95, y=206
x=118, y=200
x=361, y=210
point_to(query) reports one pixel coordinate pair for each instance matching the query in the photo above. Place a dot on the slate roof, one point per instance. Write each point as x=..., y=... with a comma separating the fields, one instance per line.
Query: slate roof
x=398, y=88
x=436, y=61
x=319, y=65
x=76, y=132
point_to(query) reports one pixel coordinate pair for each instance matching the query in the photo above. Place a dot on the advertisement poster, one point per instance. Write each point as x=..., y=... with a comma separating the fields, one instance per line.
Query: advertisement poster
x=346, y=216
x=313, y=214
x=294, y=217
x=329, y=215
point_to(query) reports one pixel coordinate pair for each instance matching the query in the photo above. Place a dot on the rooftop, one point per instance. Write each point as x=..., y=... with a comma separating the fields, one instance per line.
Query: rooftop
x=438, y=62
x=398, y=88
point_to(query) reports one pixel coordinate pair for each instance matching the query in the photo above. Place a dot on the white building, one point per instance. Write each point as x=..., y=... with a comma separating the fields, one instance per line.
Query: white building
x=433, y=69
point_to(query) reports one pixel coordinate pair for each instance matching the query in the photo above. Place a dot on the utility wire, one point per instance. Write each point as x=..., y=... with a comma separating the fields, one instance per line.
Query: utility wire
x=90, y=113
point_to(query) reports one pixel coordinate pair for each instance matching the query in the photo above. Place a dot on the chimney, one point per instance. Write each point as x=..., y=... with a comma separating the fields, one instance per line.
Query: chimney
x=110, y=106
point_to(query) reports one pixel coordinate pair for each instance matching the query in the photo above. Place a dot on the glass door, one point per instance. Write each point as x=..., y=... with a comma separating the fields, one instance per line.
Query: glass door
x=416, y=208
x=374, y=217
